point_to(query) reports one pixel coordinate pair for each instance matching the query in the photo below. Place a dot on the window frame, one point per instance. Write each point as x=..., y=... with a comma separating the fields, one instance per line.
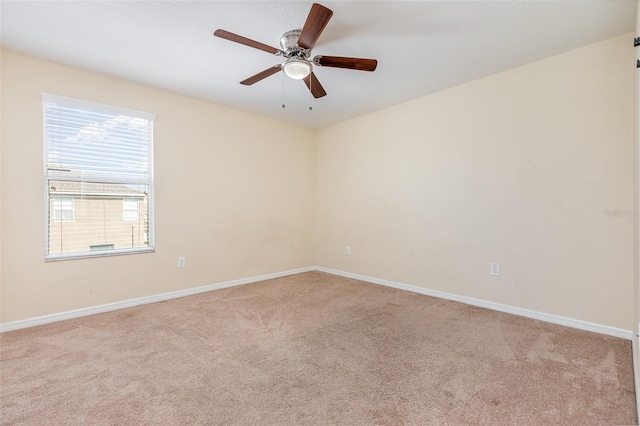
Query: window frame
x=47, y=178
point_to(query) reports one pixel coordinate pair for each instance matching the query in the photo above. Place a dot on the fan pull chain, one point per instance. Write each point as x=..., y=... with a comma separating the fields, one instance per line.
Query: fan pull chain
x=310, y=89
x=283, y=102
x=283, y=105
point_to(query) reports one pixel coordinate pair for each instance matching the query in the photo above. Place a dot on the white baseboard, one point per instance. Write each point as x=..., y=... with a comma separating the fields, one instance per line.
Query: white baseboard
x=77, y=313
x=555, y=319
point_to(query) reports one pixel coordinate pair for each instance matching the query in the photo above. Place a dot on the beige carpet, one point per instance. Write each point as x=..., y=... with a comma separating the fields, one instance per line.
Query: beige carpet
x=313, y=349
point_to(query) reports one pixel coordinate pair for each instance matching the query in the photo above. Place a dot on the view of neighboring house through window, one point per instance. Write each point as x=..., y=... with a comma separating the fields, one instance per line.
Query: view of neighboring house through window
x=130, y=209
x=98, y=179
x=63, y=209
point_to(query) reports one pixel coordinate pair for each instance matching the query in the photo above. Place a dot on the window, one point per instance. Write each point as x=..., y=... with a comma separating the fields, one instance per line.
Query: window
x=63, y=209
x=130, y=209
x=98, y=179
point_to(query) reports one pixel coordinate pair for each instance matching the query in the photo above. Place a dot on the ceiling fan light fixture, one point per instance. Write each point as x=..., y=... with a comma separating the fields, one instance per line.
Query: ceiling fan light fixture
x=297, y=68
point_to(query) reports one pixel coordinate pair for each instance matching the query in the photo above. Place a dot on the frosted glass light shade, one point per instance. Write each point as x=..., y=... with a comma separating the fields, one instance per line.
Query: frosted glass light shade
x=297, y=68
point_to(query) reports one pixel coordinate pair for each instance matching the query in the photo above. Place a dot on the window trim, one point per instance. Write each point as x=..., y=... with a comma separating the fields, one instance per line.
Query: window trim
x=48, y=97
x=150, y=248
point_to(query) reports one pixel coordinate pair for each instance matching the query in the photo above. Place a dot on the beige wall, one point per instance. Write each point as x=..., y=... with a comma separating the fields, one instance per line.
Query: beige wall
x=636, y=205
x=234, y=193
x=516, y=168
x=1, y=106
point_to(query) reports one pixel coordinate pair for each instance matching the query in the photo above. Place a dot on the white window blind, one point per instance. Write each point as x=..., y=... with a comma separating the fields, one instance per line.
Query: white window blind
x=98, y=176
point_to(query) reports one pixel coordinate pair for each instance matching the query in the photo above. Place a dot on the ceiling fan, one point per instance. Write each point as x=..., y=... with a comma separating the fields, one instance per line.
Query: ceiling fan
x=296, y=48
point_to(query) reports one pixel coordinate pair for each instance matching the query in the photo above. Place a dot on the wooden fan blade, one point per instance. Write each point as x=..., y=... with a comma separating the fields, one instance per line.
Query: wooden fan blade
x=246, y=41
x=359, y=64
x=316, y=21
x=314, y=86
x=261, y=75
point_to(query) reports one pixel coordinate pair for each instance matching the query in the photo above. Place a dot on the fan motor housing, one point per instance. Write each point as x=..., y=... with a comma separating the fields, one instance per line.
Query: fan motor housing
x=289, y=44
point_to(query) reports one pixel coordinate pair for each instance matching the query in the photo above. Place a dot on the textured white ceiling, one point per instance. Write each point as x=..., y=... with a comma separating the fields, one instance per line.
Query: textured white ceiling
x=421, y=46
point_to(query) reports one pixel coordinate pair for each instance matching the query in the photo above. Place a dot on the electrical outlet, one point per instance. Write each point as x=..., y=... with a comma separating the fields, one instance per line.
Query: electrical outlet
x=348, y=251
x=182, y=262
x=495, y=269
